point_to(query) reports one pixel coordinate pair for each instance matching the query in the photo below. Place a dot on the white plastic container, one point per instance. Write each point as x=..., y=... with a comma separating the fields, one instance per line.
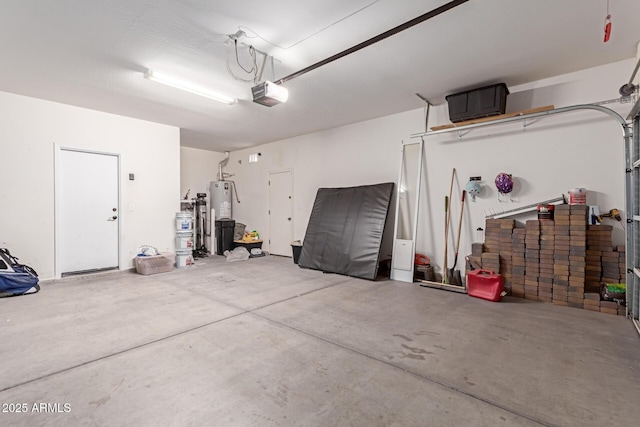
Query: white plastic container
x=184, y=240
x=184, y=221
x=578, y=196
x=184, y=258
x=154, y=264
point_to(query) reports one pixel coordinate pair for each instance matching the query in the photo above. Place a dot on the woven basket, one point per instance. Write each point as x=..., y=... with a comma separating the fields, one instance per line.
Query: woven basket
x=162, y=263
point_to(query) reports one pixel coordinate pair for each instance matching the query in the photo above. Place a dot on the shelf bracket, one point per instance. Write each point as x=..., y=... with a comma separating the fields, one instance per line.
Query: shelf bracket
x=544, y=112
x=528, y=122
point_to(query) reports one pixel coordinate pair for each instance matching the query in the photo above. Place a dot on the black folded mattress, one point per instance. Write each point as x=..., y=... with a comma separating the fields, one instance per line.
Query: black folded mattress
x=345, y=230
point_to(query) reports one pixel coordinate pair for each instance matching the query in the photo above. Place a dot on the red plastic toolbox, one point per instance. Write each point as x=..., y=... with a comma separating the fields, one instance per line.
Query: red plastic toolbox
x=485, y=284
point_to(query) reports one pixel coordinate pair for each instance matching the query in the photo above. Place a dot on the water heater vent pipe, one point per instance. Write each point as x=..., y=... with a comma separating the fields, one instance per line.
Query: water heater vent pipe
x=221, y=165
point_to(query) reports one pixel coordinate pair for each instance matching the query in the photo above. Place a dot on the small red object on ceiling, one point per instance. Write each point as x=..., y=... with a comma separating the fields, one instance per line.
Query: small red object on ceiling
x=607, y=28
x=607, y=25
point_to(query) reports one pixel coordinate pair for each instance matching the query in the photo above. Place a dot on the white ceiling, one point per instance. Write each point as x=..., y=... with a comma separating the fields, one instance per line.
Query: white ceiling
x=93, y=54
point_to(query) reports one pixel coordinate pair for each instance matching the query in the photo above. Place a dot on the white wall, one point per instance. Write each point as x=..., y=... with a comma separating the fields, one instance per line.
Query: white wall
x=359, y=154
x=547, y=158
x=30, y=128
x=197, y=169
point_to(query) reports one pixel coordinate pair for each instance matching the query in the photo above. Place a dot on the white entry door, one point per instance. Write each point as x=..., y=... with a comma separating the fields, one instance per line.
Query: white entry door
x=87, y=210
x=280, y=213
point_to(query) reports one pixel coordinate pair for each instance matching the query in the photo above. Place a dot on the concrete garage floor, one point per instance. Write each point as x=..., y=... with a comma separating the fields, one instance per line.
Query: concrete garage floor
x=264, y=343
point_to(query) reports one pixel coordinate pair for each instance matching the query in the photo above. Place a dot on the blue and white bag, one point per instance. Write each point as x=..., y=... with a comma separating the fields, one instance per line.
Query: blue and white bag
x=15, y=278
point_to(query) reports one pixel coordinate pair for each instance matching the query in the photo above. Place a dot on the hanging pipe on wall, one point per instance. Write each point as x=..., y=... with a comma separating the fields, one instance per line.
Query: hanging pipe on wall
x=221, y=165
x=629, y=89
x=428, y=109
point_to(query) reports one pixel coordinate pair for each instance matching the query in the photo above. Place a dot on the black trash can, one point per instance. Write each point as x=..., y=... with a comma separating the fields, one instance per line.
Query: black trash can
x=297, y=250
x=224, y=235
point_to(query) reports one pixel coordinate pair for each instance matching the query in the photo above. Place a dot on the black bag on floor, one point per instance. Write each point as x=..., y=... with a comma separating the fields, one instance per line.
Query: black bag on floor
x=15, y=278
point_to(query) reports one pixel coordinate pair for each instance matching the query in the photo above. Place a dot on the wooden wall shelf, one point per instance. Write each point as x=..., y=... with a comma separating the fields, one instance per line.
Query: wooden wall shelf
x=492, y=118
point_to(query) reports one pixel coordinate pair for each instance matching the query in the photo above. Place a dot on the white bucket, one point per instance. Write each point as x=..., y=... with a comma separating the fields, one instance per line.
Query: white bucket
x=184, y=221
x=578, y=196
x=184, y=240
x=184, y=258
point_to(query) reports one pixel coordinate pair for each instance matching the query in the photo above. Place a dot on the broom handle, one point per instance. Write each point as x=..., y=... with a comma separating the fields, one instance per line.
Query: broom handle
x=460, y=224
x=446, y=226
x=453, y=175
x=446, y=237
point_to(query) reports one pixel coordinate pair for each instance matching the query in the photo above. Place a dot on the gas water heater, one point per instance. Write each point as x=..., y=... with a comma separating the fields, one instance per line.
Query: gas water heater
x=221, y=196
x=221, y=204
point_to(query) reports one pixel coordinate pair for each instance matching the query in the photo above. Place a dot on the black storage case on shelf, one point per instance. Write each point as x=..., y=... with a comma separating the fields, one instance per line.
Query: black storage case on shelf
x=224, y=235
x=477, y=103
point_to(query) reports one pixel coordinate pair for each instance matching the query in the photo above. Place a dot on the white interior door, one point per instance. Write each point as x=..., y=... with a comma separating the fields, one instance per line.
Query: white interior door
x=88, y=211
x=280, y=213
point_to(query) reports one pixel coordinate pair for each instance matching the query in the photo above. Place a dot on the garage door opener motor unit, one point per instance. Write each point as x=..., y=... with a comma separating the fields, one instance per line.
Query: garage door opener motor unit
x=269, y=94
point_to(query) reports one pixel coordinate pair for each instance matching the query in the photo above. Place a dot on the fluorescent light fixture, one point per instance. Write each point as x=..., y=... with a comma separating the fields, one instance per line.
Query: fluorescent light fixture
x=188, y=87
x=269, y=94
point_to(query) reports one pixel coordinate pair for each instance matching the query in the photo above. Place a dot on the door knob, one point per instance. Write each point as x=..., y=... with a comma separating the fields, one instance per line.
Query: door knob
x=113, y=218
x=289, y=219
